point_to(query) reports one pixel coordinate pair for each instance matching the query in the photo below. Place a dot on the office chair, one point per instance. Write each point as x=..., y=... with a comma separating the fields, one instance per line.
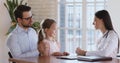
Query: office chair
x=10, y=56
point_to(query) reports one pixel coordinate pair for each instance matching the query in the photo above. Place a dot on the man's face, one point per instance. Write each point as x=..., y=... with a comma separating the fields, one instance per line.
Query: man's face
x=26, y=20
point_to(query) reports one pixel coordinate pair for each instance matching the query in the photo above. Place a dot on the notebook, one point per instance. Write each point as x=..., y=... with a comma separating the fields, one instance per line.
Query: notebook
x=85, y=58
x=93, y=58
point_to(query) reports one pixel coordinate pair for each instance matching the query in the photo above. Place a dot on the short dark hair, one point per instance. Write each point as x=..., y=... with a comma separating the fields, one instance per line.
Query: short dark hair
x=103, y=14
x=19, y=11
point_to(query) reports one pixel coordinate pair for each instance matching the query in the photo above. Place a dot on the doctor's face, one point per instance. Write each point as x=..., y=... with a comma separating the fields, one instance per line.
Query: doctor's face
x=98, y=23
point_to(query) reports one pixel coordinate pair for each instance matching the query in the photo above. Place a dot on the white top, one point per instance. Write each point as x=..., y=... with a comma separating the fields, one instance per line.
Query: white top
x=107, y=45
x=54, y=46
x=23, y=43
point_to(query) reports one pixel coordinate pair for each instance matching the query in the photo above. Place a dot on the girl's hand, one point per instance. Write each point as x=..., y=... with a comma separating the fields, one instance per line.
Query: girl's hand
x=66, y=53
x=57, y=54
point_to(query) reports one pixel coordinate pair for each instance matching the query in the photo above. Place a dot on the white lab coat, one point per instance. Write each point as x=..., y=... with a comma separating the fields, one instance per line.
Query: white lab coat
x=107, y=45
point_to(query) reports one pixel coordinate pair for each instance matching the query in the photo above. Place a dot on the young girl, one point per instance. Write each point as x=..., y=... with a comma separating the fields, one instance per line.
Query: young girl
x=47, y=45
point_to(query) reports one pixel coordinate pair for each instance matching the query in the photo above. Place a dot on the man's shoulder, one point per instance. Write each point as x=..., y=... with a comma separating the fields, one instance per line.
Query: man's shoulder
x=31, y=29
x=11, y=38
x=12, y=35
x=14, y=32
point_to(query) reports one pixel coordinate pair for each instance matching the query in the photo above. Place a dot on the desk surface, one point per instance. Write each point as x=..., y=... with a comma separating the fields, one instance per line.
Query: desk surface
x=46, y=59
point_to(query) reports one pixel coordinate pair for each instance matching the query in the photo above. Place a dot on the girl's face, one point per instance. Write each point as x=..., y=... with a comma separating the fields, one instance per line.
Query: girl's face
x=51, y=32
x=98, y=23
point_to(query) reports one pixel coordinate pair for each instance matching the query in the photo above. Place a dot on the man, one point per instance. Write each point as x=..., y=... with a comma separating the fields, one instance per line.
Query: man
x=22, y=41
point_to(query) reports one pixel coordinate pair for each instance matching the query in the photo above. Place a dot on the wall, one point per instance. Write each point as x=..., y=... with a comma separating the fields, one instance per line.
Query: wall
x=43, y=9
x=113, y=8
x=4, y=25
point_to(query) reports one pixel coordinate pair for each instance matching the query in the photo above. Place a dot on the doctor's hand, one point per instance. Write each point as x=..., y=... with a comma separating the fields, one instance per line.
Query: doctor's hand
x=80, y=52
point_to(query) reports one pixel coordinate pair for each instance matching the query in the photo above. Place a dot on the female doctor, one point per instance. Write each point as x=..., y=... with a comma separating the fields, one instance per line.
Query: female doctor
x=108, y=43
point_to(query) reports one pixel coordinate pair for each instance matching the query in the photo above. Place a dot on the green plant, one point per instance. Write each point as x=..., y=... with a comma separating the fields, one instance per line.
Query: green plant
x=36, y=26
x=11, y=6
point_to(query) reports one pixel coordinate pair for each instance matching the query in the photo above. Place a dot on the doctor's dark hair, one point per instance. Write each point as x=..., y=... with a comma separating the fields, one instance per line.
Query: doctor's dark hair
x=19, y=11
x=46, y=24
x=103, y=14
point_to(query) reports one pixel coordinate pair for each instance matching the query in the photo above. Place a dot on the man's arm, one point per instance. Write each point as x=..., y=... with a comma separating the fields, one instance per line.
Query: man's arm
x=15, y=49
x=13, y=45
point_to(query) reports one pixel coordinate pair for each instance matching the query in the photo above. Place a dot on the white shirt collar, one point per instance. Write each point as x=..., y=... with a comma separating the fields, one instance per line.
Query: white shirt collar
x=20, y=29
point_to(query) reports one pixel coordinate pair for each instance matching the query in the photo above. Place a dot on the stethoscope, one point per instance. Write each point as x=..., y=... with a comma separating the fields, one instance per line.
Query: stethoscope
x=106, y=35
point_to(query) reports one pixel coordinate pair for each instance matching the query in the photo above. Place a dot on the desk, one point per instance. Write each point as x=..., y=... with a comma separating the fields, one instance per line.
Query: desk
x=46, y=59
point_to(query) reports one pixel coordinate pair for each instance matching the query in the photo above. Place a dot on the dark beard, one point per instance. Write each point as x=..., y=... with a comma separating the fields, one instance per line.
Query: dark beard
x=26, y=26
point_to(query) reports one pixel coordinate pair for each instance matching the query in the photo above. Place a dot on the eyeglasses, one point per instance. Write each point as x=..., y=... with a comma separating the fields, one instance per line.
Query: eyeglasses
x=28, y=18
